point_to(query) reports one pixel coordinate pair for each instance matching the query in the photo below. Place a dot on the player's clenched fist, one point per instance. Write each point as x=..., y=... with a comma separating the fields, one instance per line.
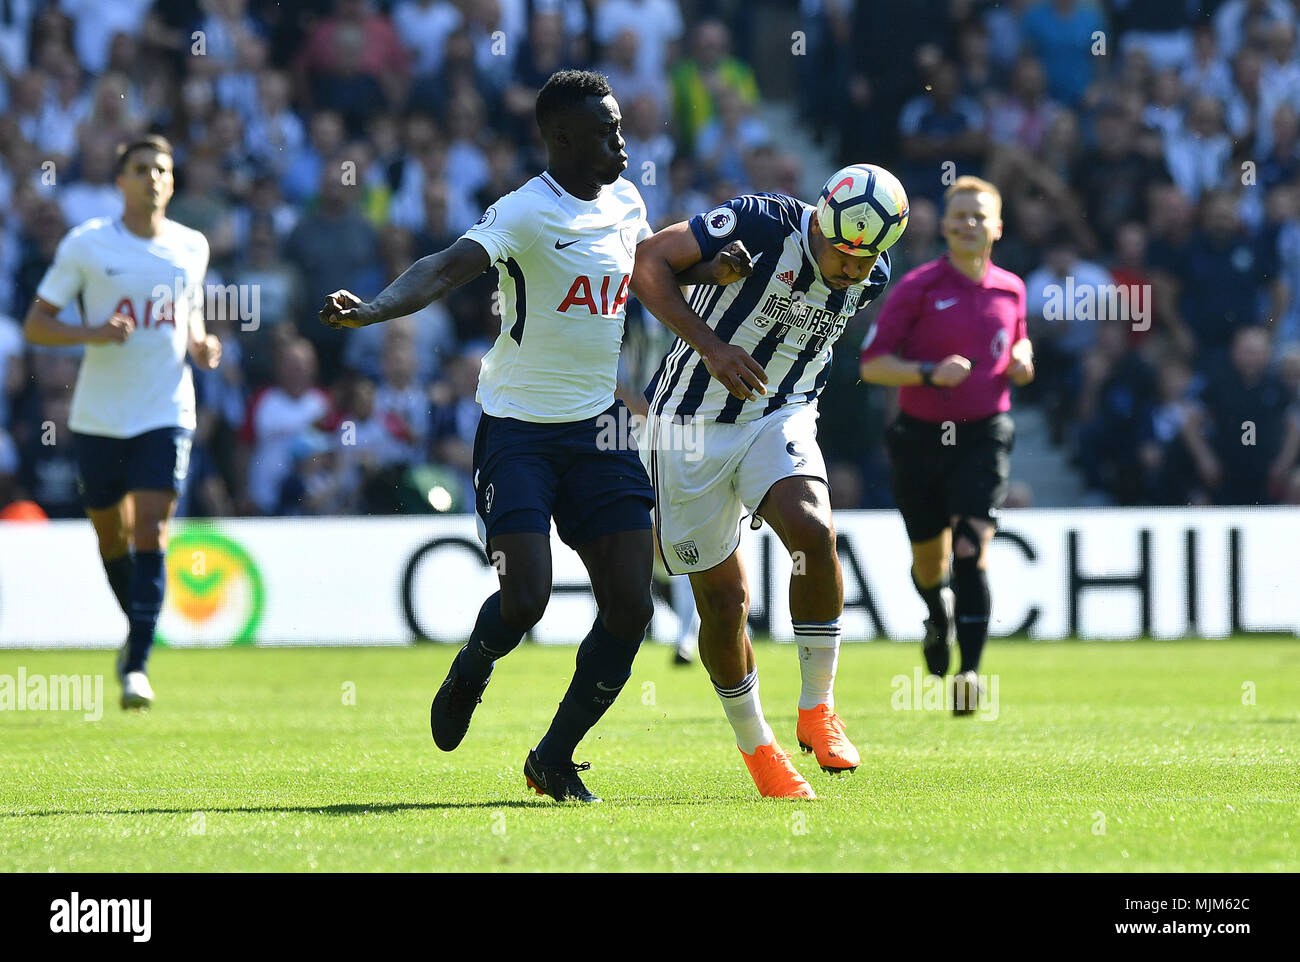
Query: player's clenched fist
x=732, y=264
x=736, y=370
x=116, y=329
x=207, y=352
x=1021, y=370
x=951, y=371
x=344, y=309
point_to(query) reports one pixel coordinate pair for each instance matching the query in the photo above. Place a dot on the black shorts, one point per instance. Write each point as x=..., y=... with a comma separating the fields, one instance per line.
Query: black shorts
x=109, y=468
x=933, y=480
x=586, y=475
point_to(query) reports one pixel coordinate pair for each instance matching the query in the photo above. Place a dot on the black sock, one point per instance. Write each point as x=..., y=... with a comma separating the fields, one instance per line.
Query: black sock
x=934, y=602
x=146, y=598
x=973, y=605
x=604, y=666
x=119, y=571
x=491, y=639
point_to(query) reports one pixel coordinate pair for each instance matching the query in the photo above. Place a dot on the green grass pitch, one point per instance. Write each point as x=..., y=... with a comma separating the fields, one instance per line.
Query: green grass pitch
x=1137, y=756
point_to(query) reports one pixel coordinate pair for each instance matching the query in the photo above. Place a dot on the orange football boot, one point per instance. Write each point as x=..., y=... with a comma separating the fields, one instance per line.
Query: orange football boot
x=775, y=775
x=820, y=730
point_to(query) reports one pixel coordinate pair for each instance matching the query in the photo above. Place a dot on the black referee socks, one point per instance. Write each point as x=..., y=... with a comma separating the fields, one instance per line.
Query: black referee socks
x=971, y=586
x=934, y=603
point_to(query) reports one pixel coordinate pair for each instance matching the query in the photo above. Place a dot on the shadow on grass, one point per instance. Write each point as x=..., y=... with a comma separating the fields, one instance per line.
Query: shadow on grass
x=363, y=809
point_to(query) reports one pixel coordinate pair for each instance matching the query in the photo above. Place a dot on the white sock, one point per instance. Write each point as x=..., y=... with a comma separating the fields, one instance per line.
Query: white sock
x=688, y=619
x=819, y=653
x=746, y=714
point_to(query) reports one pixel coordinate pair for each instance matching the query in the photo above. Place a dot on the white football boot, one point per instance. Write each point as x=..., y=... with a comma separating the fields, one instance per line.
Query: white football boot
x=136, y=690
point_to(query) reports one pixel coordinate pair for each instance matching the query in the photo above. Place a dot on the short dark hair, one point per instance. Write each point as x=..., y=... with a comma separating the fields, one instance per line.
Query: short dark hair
x=150, y=141
x=565, y=90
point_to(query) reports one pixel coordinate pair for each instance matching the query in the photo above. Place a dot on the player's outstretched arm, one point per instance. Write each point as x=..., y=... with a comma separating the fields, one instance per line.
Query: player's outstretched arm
x=425, y=281
x=42, y=326
x=660, y=261
x=893, y=371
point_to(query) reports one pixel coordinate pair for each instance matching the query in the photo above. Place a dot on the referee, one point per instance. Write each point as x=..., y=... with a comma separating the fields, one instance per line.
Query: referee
x=952, y=336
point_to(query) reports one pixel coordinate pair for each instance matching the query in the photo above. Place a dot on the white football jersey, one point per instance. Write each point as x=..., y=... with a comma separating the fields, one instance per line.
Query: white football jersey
x=143, y=383
x=564, y=267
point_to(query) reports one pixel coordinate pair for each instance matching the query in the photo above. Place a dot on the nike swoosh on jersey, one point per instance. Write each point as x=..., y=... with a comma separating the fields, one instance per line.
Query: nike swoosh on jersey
x=560, y=247
x=944, y=305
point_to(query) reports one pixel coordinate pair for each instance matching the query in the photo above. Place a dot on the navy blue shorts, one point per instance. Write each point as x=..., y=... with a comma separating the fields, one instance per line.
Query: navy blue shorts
x=108, y=468
x=585, y=474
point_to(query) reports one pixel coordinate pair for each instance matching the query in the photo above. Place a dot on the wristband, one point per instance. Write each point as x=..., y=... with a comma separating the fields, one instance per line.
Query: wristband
x=926, y=370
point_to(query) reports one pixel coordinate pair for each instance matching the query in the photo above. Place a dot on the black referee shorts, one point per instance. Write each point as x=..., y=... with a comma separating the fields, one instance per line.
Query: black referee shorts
x=933, y=480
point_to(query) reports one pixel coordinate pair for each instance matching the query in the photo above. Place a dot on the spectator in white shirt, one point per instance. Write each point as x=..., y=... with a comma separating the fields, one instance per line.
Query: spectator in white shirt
x=1197, y=154
x=657, y=24
x=423, y=27
x=1233, y=21
x=622, y=66
x=1207, y=72
x=95, y=22
x=93, y=194
x=276, y=416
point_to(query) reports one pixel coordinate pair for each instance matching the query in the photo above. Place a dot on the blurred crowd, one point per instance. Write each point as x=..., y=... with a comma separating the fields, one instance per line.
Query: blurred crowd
x=1148, y=148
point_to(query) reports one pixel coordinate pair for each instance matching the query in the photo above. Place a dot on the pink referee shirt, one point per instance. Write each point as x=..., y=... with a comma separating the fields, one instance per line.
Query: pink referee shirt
x=936, y=310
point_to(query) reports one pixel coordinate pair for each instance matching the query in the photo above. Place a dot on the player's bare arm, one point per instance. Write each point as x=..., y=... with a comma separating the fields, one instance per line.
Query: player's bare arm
x=205, y=348
x=733, y=263
x=42, y=326
x=424, y=282
x=892, y=371
x=659, y=261
x=1021, y=368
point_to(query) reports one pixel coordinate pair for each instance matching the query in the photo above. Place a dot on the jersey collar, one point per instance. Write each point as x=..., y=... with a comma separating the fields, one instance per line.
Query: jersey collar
x=564, y=195
x=985, y=281
x=129, y=235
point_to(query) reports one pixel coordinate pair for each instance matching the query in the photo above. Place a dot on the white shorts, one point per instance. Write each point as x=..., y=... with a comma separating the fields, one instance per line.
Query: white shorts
x=708, y=477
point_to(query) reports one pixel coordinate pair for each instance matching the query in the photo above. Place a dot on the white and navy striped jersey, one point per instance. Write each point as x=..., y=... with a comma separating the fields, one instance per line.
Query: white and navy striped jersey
x=784, y=314
x=564, y=267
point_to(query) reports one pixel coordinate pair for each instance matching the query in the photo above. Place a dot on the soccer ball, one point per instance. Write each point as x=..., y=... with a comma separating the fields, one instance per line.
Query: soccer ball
x=862, y=210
